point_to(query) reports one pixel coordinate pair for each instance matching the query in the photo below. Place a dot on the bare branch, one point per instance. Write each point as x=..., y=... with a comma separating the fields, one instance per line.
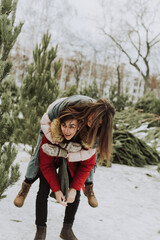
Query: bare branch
x=152, y=43
x=123, y=50
x=134, y=45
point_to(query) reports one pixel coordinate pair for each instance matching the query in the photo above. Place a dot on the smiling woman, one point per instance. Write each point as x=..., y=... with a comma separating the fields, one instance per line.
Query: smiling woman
x=91, y=124
x=74, y=174
x=69, y=128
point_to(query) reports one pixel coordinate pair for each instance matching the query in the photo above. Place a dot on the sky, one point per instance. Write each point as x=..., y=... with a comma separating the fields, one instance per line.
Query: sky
x=75, y=25
x=81, y=18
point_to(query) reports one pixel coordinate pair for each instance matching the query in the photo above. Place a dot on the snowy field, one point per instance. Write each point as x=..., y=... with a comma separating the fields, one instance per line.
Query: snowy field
x=129, y=207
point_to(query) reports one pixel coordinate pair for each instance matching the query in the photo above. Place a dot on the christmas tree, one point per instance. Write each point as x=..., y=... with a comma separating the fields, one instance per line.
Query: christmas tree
x=8, y=35
x=39, y=89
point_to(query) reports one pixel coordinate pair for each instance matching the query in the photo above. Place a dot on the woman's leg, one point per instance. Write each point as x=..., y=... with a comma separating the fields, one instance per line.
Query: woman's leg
x=42, y=208
x=89, y=193
x=42, y=202
x=31, y=174
x=33, y=166
x=70, y=212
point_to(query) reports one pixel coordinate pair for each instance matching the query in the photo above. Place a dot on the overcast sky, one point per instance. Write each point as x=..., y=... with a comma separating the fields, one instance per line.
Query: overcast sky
x=75, y=24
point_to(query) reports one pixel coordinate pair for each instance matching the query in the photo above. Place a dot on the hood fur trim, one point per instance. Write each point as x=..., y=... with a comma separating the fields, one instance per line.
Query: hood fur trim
x=57, y=135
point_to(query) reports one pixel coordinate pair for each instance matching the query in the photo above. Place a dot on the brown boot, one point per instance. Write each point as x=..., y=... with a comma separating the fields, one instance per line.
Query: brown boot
x=41, y=233
x=19, y=200
x=67, y=233
x=88, y=192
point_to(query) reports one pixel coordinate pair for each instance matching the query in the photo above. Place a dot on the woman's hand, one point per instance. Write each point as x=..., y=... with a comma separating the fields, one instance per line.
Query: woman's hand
x=60, y=198
x=71, y=195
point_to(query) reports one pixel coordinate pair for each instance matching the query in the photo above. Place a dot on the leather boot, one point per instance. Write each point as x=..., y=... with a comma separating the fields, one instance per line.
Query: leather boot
x=19, y=200
x=67, y=233
x=41, y=233
x=88, y=192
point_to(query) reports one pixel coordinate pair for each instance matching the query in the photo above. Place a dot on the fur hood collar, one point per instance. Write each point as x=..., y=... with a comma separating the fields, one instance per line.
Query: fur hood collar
x=57, y=135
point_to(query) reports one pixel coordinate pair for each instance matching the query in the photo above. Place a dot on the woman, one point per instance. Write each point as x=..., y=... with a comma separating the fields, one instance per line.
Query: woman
x=62, y=132
x=93, y=113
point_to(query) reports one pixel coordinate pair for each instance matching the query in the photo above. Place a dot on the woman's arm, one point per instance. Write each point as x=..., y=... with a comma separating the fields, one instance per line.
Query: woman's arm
x=82, y=172
x=71, y=151
x=47, y=166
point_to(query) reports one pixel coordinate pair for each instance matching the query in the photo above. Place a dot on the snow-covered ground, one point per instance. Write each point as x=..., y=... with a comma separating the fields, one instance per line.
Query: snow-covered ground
x=129, y=207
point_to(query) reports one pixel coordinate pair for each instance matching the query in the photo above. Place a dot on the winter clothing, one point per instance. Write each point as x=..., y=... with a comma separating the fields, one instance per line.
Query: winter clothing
x=53, y=133
x=53, y=112
x=90, y=195
x=71, y=146
x=67, y=232
x=61, y=150
x=41, y=204
x=33, y=166
x=54, y=150
x=63, y=178
x=19, y=200
x=41, y=233
x=79, y=170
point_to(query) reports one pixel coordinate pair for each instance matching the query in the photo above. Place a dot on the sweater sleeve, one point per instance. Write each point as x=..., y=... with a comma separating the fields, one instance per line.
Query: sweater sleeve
x=47, y=166
x=82, y=173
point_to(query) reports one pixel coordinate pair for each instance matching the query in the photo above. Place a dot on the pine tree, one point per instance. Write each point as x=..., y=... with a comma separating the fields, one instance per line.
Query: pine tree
x=39, y=89
x=91, y=90
x=8, y=35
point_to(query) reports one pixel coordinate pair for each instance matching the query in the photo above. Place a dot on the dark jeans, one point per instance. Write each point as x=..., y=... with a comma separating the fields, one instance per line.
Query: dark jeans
x=42, y=204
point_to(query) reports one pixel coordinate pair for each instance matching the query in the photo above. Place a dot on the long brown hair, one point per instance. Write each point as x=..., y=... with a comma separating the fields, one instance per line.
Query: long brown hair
x=102, y=124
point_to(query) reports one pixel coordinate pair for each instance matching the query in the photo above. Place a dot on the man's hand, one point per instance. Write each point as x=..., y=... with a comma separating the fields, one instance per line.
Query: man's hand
x=60, y=198
x=71, y=195
x=71, y=146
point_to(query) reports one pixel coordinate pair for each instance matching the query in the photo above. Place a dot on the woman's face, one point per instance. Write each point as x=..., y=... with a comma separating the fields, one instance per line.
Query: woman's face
x=69, y=128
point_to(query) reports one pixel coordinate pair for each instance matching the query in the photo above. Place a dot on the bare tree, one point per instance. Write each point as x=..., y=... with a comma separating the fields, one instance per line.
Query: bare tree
x=141, y=37
x=77, y=66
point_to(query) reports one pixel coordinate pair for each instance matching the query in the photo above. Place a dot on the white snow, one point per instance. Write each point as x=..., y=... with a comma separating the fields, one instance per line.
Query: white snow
x=129, y=207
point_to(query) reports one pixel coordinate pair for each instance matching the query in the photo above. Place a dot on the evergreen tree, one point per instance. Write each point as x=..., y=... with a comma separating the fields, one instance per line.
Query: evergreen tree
x=39, y=89
x=69, y=91
x=91, y=91
x=8, y=35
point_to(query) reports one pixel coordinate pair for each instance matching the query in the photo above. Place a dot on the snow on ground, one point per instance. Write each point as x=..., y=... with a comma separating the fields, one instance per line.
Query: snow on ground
x=129, y=207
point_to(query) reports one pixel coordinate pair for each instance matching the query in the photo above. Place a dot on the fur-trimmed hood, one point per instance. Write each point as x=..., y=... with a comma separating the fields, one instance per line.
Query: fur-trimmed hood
x=57, y=135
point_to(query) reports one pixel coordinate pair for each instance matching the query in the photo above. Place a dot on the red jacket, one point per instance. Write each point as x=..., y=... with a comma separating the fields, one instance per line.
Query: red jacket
x=78, y=170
